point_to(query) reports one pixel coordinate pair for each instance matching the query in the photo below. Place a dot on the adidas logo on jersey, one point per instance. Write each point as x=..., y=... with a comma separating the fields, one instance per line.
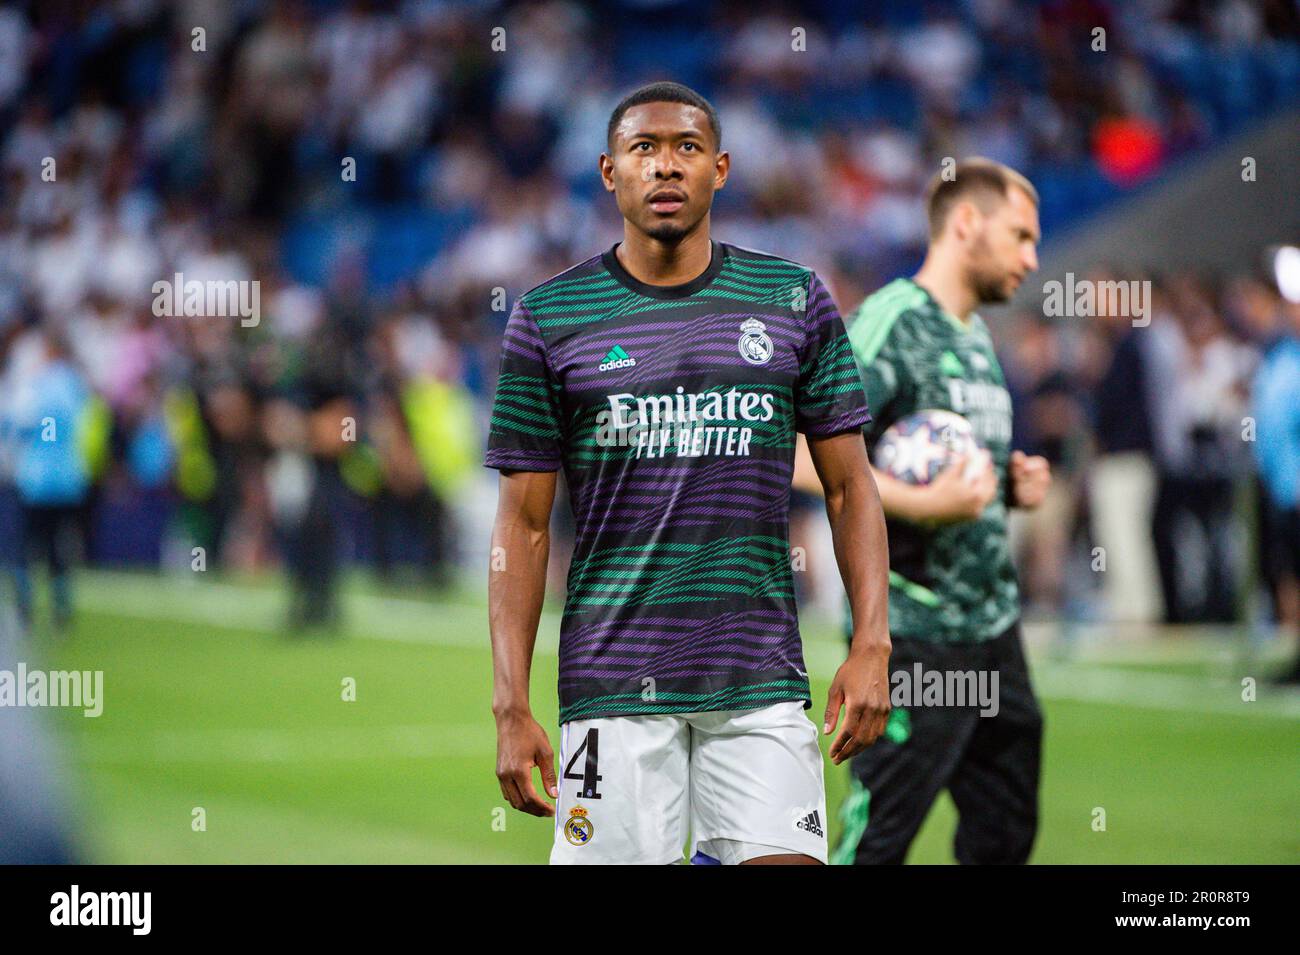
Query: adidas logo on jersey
x=617, y=358
x=812, y=824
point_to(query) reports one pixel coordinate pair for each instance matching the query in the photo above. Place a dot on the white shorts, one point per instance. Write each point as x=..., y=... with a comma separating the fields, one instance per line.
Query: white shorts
x=738, y=783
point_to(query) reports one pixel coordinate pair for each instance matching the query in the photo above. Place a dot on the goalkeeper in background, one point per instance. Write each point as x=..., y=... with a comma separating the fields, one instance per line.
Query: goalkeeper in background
x=953, y=603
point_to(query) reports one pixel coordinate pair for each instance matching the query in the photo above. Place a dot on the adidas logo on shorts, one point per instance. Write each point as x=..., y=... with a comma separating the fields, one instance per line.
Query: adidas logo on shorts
x=812, y=824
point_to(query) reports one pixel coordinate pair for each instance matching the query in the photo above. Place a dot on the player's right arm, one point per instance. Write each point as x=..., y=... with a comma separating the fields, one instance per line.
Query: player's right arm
x=950, y=498
x=953, y=496
x=521, y=545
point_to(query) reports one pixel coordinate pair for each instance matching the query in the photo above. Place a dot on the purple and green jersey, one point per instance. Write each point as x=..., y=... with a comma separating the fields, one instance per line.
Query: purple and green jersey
x=673, y=412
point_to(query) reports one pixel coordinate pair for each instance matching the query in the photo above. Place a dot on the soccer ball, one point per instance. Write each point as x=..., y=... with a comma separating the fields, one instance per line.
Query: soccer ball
x=915, y=449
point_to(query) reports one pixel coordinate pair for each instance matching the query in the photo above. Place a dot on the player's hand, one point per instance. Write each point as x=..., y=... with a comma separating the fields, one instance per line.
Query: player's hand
x=962, y=490
x=521, y=745
x=861, y=686
x=1030, y=479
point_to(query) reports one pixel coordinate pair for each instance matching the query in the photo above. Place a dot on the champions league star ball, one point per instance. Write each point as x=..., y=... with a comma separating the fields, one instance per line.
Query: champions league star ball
x=917, y=448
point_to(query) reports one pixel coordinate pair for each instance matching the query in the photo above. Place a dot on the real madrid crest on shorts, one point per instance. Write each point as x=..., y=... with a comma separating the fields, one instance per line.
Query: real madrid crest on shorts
x=579, y=829
x=755, y=345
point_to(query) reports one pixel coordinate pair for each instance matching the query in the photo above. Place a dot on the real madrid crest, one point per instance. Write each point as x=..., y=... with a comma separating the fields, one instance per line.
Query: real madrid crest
x=579, y=829
x=755, y=345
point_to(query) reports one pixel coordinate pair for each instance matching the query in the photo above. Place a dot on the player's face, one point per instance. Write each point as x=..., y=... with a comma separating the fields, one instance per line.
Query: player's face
x=1006, y=249
x=664, y=168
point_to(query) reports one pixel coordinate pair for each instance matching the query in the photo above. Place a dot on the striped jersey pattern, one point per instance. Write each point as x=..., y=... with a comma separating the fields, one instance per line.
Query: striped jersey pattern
x=672, y=412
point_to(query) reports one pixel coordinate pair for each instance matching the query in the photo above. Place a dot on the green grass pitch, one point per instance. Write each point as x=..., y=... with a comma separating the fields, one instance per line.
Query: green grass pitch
x=209, y=705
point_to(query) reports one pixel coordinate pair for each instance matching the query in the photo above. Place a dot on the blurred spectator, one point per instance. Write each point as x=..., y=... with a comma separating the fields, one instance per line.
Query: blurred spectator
x=1198, y=384
x=1121, y=480
x=1049, y=416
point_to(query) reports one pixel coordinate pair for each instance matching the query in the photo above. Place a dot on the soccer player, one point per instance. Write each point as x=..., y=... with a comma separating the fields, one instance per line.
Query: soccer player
x=667, y=376
x=953, y=603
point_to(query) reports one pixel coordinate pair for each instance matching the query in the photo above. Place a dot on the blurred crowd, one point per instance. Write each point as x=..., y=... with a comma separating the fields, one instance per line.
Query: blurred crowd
x=394, y=174
x=1175, y=447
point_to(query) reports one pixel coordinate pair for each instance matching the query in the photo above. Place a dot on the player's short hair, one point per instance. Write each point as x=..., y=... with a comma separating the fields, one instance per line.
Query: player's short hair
x=664, y=92
x=980, y=180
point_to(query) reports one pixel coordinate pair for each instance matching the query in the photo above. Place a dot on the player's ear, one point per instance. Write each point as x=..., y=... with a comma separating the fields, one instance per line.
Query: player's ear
x=964, y=218
x=721, y=169
x=607, y=171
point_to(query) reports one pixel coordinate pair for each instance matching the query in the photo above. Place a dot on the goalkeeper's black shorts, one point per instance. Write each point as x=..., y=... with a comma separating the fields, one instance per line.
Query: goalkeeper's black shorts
x=989, y=764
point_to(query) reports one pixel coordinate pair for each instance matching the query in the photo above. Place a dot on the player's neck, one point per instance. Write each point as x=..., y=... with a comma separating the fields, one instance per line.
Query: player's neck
x=946, y=286
x=655, y=262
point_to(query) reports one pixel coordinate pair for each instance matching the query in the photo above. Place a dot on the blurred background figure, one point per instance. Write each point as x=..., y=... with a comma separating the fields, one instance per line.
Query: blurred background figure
x=53, y=435
x=1050, y=419
x=34, y=811
x=1198, y=381
x=308, y=491
x=1276, y=407
x=1122, y=479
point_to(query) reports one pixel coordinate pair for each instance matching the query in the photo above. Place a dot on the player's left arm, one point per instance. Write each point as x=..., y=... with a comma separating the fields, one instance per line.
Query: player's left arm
x=861, y=685
x=1029, y=478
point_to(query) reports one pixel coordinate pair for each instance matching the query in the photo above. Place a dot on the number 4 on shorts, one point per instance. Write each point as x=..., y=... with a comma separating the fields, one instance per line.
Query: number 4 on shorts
x=589, y=777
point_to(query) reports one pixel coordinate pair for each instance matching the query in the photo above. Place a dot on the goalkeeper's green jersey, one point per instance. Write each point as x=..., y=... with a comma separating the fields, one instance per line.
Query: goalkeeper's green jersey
x=954, y=583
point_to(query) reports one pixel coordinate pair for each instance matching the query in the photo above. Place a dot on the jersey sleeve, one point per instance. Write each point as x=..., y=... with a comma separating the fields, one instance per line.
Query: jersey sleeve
x=525, y=431
x=828, y=396
x=882, y=365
